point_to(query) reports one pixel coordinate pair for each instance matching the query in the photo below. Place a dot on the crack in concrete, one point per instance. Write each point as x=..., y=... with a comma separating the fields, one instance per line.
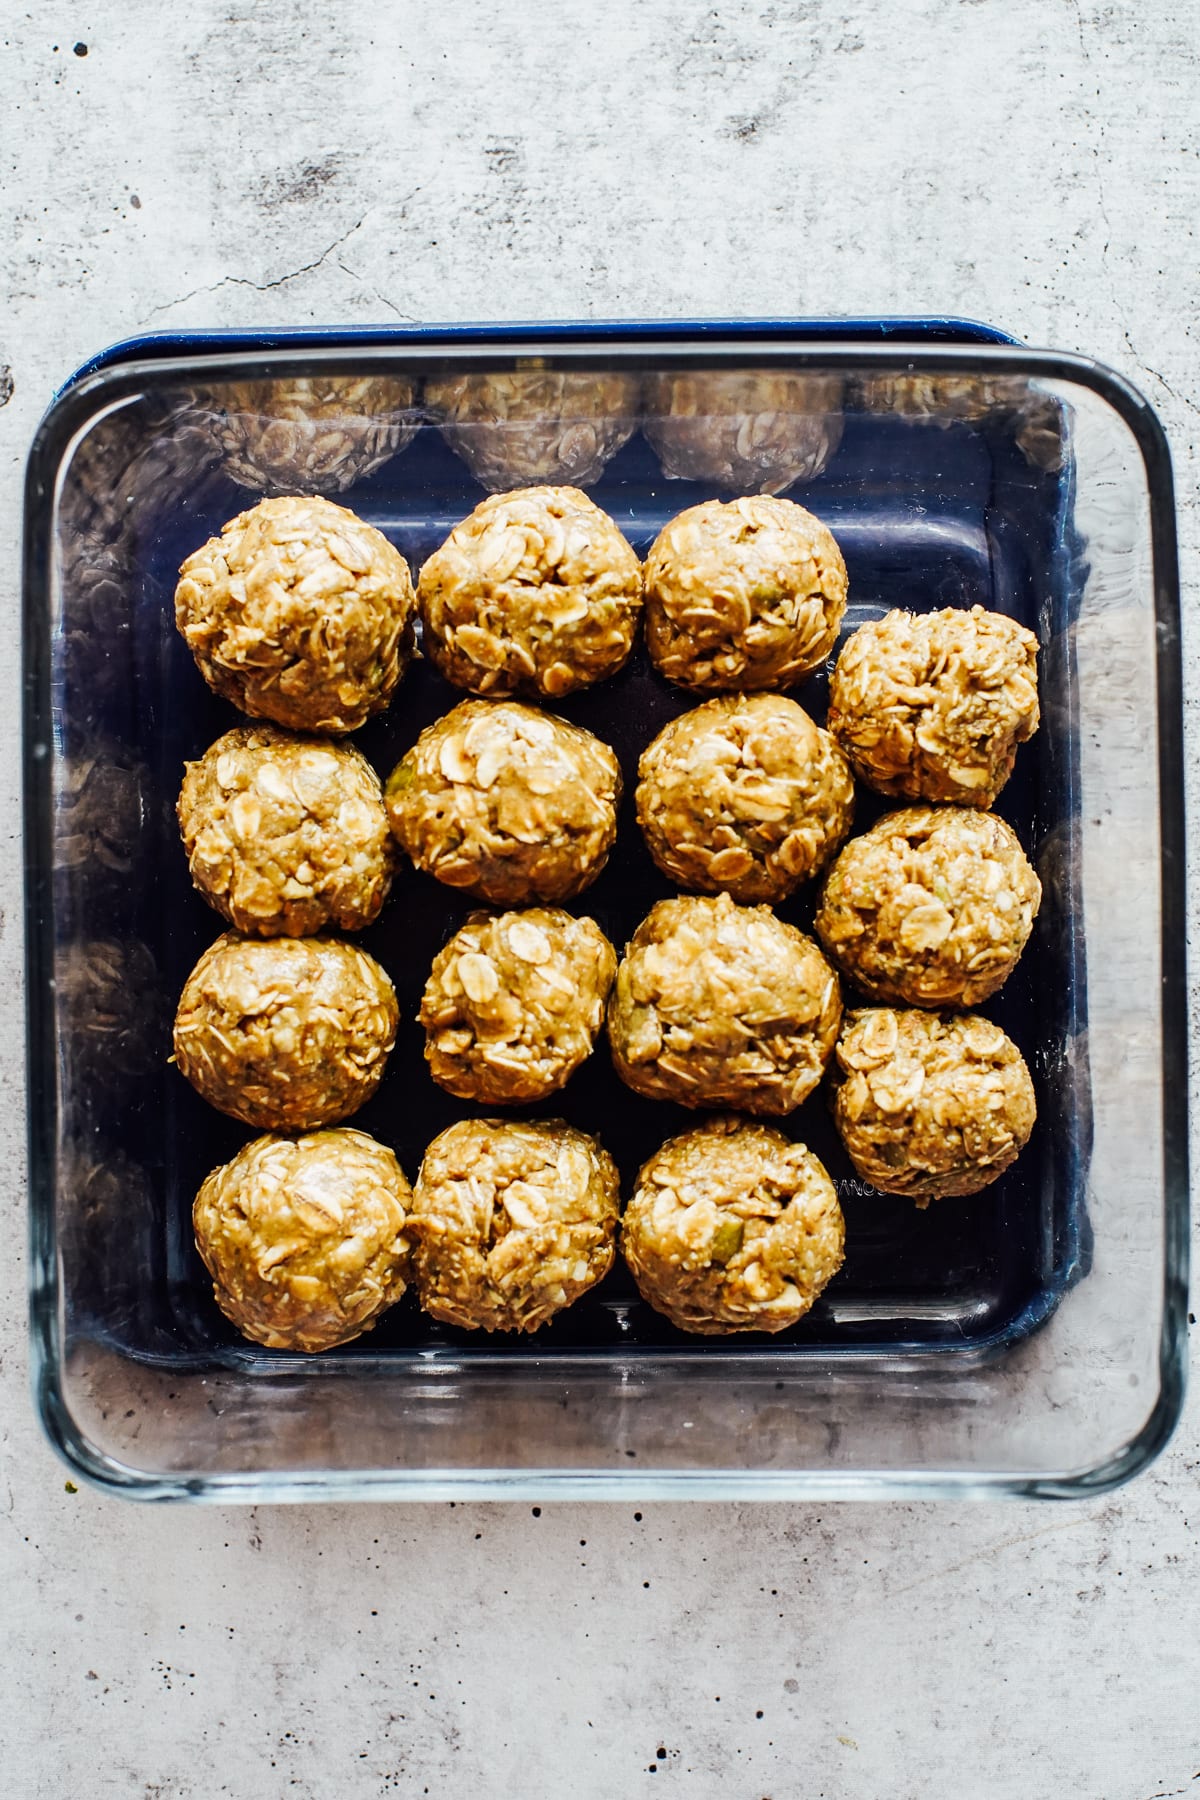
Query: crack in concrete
x=983, y=1552
x=407, y=318
x=263, y=287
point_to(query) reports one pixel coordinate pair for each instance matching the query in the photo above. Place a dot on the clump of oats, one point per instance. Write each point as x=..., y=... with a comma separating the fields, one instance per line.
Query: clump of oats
x=536, y=592
x=506, y=803
x=286, y=835
x=515, y=1002
x=930, y=1105
x=299, y=612
x=930, y=907
x=743, y=594
x=733, y=1228
x=755, y=431
x=534, y=424
x=511, y=1222
x=306, y=1238
x=722, y=1005
x=934, y=705
x=314, y=434
x=289, y=1033
x=744, y=795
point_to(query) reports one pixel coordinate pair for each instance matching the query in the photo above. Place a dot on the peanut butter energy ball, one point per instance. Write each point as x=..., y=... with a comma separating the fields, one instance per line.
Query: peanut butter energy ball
x=507, y=803
x=930, y=1105
x=288, y=1033
x=733, y=1228
x=534, y=424
x=514, y=1003
x=286, y=835
x=722, y=1005
x=313, y=435
x=744, y=794
x=930, y=907
x=306, y=1238
x=753, y=430
x=934, y=705
x=743, y=594
x=299, y=612
x=511, y=1222
x=535, y=592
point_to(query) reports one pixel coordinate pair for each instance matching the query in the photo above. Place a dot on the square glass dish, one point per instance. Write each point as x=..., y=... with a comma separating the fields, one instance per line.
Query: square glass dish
x=1027, y=1341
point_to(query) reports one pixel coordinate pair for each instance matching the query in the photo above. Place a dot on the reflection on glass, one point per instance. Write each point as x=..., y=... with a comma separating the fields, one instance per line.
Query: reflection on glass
x=754, y=431
x=315, y=436
x=534, y=425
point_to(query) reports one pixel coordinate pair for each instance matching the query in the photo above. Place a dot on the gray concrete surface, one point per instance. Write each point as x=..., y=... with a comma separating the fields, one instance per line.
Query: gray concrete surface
x=1032, y=162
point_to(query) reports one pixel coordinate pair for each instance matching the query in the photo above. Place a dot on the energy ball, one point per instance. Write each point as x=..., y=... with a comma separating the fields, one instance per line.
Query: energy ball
x=313, y=435
x=930, y=907
x=507, y=803
x=286, y=835
x=299, y=612
x=934, y=705
x=286, y=1034
x=744, y=794
x=722, y=1005
x=744, y=594
x=753, y=430
x=536, y=592
x=733, y=1228
x=306, y=1238
x=514, y=1003
x=511, y=1222
x=533, y=424
x=930, y=1105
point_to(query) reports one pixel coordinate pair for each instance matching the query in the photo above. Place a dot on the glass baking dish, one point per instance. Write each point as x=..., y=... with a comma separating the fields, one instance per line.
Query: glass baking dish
x=1028, y=1341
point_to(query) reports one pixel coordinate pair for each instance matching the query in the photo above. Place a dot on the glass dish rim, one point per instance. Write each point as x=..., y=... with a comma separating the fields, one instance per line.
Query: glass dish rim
x=895, y=346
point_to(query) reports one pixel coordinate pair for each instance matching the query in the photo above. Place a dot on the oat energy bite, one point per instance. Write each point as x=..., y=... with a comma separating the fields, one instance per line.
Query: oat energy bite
x=934, y=705
x=313, y=434
x=299, y=612
x=733, y=1228
x=511, y=1222
x=287, y=1034
x=514, y=1003
x=743, y=594
x=930, y=907
x=930, y=1105
x=754, y=431
x=306, y=1238
x=534, y=424
x=536, y=592
x=506, y=802
x=722, y=1005
x=744, y=794
x=286, y=835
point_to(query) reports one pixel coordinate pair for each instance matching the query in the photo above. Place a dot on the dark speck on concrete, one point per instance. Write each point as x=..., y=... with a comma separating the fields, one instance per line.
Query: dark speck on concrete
x=135, y=203
x=6, y=384
x=302, y=182
x=81, y=49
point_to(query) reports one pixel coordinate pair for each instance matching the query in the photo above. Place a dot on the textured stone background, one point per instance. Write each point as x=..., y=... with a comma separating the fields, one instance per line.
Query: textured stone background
x=1031, y=162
